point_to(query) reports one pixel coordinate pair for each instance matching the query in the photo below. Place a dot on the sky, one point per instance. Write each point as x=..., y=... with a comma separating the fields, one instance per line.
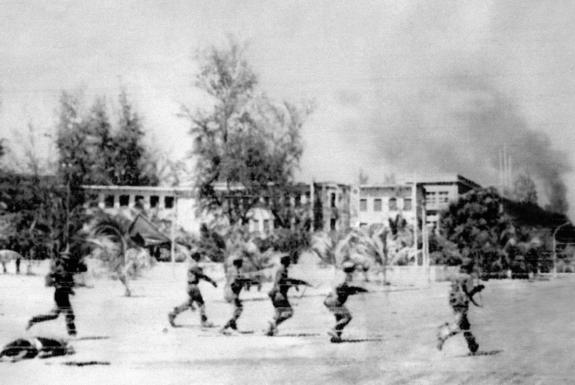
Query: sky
x=401, y=87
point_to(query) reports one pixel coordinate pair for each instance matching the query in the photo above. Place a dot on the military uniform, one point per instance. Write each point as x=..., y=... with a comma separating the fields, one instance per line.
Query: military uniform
x=195, y=274
x=24, y=348
x=335, y=302
x=279, y=296
x=235, y=281
x=461, y=294
x=63, y=281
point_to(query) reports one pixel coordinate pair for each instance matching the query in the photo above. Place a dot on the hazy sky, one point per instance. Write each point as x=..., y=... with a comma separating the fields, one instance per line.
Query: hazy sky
x=405, y=87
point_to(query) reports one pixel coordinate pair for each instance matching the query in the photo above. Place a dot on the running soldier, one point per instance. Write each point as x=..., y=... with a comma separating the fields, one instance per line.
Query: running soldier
x=195, y=274
x=336, y=299
x=235, y=281
x=279, y=297
x=460, y=295
x=62, y=278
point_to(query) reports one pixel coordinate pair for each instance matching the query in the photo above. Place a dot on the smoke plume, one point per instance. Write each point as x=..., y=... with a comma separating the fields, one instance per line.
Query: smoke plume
x=459, y=123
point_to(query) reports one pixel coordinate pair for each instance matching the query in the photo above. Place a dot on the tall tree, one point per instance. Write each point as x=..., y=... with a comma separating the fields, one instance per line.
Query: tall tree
x=102, y=146
x=92, y=151
x=133, y=165
x=246, y=143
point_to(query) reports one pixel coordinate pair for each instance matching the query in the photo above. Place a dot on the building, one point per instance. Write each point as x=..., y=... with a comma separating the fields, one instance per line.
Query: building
x=165, y=203
x=330, y=208
x=440, y=191
x=379, y=203
x=332, y=205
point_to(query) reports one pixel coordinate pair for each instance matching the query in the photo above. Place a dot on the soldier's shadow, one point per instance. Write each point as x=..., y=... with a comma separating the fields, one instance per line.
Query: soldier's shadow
x=481, y=353
x=300, y=335
x=92, y=338
x=488, y=352
x=357, y=340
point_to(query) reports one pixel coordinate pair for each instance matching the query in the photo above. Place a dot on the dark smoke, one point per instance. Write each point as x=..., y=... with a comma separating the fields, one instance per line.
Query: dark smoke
x=460, y=125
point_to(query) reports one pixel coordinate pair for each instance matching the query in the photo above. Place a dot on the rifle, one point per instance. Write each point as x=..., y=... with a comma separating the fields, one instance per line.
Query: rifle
x=298, y=282
x=475, y=290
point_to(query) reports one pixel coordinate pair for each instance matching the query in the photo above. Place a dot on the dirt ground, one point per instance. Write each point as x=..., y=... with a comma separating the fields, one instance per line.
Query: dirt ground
x=525, y=331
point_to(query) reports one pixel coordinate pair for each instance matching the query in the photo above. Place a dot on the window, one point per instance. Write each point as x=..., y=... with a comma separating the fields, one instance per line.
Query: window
x=442, y=197
x=139, y=202
x=109, y=201
x=332, y=223
x=297, y=201
x=333, y=199
x=407, y=204
x=168, y=202
x=154, y=200
x=266, y=226
x=363, y=205
x=256, y=225
x=377, y=204
x=431, y=198
x=392, y=204
x=124, y=200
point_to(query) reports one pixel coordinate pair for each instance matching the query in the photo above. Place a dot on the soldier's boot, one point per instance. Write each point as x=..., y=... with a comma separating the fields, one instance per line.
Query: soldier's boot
x=205, y=323
x=172, y=319
x=335, y=336
x=272, y=330
x=231, y=324
x=471, y=342
x=442, y=335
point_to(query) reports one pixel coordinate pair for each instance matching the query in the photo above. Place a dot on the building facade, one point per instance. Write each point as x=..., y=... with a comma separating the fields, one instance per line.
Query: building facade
x=442, y=190
x=377, y=204
x=328, y=204
x=331, y=206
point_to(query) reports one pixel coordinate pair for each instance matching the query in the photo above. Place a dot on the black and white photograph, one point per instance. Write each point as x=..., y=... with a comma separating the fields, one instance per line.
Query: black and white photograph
x=287, y=192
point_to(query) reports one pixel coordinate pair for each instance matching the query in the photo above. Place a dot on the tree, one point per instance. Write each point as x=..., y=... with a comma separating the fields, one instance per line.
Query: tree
x=475, y=224
x=132, y=163
x=92, y=151
x=524, y=189
x=246, y=143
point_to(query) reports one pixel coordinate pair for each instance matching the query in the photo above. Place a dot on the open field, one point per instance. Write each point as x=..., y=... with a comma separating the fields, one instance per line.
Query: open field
x=525, y=331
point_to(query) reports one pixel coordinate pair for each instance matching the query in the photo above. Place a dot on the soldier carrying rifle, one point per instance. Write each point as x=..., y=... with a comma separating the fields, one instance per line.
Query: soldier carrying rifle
x=336, y=299
x=195, y=275
x=461, y=294
x=235, y=282
x=279, y=297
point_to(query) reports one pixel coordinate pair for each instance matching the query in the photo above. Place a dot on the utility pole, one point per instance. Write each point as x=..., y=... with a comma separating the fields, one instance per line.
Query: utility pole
x=554, y=245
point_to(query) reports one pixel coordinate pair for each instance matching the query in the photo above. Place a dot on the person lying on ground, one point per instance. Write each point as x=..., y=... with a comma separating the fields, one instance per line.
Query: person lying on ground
x=35, y=347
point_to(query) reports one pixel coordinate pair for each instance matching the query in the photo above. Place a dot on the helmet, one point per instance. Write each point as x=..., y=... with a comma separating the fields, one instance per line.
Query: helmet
x=196, y=256
x=237, y=260
x=285, y=259
x=348, y=267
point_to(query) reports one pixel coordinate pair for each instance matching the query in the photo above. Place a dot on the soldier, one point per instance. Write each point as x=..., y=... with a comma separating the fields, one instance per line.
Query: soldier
x=336, y=299
x=195, y=274
x=235, y=281
x=62, y=278
x=41, y=347
x=278, y=295
x=461, y=294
